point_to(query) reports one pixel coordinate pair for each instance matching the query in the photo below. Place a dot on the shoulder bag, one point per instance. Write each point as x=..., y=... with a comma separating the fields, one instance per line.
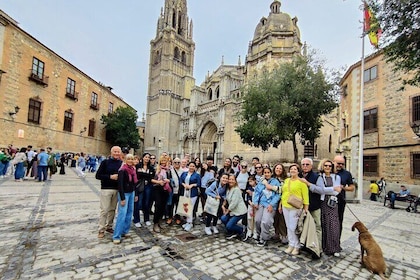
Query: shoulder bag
x=294, y=200
x=212, y=204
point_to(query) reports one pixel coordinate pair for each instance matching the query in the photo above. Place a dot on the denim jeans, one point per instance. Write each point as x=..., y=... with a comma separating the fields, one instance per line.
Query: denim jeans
x=42, y=173
x=137, y=207
x=231, y=223
x=147, y=201
x=124, y=215
x=5, y=167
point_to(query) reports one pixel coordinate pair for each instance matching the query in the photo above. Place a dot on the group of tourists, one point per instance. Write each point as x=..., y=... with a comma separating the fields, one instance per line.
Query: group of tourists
x=249, y=199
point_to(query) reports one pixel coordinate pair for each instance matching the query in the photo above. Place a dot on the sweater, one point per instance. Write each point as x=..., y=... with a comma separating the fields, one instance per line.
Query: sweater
x=107, y=168
x=236, y=203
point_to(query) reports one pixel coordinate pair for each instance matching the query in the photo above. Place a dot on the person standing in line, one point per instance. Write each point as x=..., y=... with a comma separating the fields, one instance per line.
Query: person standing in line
x=52, y=164
x=161, y=190
x=18, y=161
x=30, y=154
x=279, y=224
x=347, y=185
x=108, y=174
x=127, y=180
x=175, y=175
x=295, y=186
x=329, y=183
x=266, y=201
x=42, y=165
x=190, y=182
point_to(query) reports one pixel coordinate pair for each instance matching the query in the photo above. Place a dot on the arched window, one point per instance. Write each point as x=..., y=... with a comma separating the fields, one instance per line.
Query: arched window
x=157, y=57
x=183, y=57
x=217, y=93
x=180, y=24
x=176, y=53
x=173, y=18
x=210, y=94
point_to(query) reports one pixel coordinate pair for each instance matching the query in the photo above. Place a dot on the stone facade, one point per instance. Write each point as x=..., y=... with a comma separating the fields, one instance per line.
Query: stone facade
x=200, y=120
x=392, y=142
x=24, y=86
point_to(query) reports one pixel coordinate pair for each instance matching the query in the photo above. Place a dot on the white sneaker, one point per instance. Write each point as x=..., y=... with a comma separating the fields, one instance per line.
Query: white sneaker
x=188, y=227
x=215, y=230
x=137, y=225
x=2, y=176
x=207, y=230
x=148, y=223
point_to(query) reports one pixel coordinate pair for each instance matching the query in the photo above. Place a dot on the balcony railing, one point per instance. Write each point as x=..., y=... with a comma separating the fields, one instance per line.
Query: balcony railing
x=74, y=95
x=39, y=79
x=94, y=106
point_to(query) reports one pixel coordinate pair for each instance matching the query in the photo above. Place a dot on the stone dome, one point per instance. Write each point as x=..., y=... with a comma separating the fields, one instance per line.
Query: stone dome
x=276, y=22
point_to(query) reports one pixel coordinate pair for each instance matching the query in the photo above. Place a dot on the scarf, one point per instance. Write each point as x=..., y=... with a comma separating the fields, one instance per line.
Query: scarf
x=131, y=171
x=164, y=175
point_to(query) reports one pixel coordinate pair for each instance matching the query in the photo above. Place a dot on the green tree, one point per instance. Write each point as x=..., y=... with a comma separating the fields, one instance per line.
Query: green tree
x=286, y=103
x=400, y=24
x=121, y=129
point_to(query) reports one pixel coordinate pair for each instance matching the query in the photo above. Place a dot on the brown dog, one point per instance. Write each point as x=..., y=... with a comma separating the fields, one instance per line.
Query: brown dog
x=374, y=260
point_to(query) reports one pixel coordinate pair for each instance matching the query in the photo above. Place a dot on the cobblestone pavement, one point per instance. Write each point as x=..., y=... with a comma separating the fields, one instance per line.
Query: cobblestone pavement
x=49, y=231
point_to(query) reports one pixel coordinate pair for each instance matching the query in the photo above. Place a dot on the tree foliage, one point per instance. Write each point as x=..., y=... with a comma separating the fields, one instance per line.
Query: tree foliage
x=121, y=129
x=286, y=103
x=400, y=23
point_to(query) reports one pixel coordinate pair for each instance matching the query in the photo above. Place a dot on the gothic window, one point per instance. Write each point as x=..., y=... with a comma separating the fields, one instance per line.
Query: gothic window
x=173, y=18
x=34, y=113
x=157, y=57
x=183, y=57
x=217, y=93
x=176, y=53
x=180, y=32
x=210, y=94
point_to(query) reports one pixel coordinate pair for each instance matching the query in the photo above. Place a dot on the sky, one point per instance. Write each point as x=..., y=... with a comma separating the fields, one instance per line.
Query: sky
x=110, y=40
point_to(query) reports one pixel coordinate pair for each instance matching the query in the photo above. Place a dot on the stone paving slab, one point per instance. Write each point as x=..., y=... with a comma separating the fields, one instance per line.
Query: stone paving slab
x=49, y=231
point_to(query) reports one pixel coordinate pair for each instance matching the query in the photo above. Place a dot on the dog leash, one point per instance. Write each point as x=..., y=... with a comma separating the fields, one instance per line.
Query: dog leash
x=352, y=213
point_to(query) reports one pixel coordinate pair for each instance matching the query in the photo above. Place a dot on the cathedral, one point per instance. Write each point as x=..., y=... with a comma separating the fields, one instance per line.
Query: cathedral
x=185, y=118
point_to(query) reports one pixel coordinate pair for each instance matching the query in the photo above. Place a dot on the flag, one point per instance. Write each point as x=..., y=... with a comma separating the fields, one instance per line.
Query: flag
x=371, y=26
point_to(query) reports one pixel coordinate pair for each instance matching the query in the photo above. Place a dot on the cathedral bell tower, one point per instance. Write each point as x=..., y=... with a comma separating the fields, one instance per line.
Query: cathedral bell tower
x=170, y=77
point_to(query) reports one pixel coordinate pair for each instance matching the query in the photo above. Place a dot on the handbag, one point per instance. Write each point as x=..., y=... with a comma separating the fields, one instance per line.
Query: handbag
x=212, y=205
x=185, y=208
x=294, y=200
x=140, y=186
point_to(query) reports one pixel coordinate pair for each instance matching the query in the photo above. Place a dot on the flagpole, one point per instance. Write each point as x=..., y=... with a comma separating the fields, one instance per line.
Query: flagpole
x=361, y=116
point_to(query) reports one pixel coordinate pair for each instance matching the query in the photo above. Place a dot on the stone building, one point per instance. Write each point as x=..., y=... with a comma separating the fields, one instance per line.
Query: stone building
x=391, y=117
x=47, y=101
x=183, y=117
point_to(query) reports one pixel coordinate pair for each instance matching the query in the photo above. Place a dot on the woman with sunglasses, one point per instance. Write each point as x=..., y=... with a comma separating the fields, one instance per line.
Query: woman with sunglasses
x=266, y=199
x=330, y=222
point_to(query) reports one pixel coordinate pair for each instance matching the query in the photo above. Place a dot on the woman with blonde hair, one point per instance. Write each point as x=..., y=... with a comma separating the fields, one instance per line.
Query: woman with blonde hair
x=161, y=190
x=127, y=180
x=293, y=186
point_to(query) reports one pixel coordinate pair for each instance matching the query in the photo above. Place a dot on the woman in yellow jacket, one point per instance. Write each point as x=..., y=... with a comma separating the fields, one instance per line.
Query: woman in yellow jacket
x=293, y=185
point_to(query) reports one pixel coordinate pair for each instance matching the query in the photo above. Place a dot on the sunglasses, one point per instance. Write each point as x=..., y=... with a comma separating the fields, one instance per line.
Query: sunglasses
x=152, y=158
x=177, y=162
x=243, y=166
x=327, y=165
x=305, y=164
x=340, y=163
x=258, y=167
